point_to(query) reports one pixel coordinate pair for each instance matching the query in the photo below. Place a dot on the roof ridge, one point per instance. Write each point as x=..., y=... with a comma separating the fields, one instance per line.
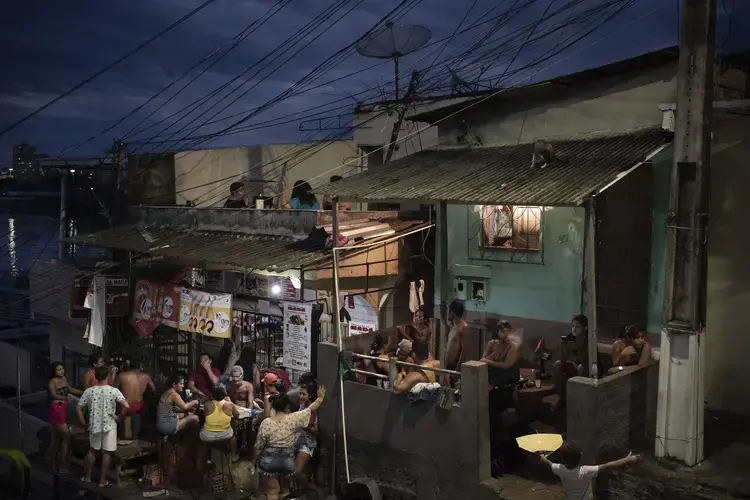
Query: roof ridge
x=588, y=136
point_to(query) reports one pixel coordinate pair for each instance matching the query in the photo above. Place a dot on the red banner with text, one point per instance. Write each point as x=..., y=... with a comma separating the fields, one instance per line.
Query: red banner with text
x=155, y=304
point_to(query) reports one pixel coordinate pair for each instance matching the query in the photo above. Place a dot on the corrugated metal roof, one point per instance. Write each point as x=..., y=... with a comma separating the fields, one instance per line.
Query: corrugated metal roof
x=250, y=252
x=503, y=174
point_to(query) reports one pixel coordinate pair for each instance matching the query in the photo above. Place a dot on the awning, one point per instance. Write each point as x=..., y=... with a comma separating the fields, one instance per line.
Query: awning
x=503, y=174
x=245, y=252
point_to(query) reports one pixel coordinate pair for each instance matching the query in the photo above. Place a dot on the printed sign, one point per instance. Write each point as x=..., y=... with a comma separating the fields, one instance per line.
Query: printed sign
x=270, y=287
x=297, y=335
x=118, y=295
x=155, y=305
x=357, y=328
x=206, y=313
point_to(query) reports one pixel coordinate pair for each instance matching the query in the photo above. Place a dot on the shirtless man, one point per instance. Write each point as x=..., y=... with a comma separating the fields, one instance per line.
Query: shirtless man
x=132, y=382
x=454, y=347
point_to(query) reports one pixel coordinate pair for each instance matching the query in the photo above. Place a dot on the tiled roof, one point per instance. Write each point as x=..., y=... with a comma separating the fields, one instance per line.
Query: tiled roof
x=249, y=252
x=502, y=174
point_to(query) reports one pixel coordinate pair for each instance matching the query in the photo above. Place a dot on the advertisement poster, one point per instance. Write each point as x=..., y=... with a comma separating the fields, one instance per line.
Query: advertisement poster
x=297, y=335
x=271, y=287
x=153, y=305
x=357, y=328
x=206, y=313
x=118, y=294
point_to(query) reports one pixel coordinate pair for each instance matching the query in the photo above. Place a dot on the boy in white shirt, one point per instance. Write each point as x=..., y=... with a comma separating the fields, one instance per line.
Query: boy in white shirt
x=101, y=401
x=576, y=478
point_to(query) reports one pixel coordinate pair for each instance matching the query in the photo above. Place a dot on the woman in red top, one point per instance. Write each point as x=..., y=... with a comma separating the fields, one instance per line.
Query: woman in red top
x=57, y=415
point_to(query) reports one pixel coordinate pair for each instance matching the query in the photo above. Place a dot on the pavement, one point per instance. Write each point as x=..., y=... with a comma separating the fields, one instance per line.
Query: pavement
x=722, y=475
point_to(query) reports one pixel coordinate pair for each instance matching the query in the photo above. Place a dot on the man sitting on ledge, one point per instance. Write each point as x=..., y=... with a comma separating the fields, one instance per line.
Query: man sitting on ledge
x=630, y=350
x=409, y=377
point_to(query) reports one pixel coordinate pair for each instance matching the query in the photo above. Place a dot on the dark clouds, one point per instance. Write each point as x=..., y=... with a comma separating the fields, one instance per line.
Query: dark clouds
x=48, y=46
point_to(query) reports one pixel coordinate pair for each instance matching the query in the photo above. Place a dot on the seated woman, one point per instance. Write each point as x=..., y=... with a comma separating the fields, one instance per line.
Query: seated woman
x=631, y=349
x=170, y=414
x=410, y=377
x=378, y=349
x=219, y=411
x=274, y=447
x=574, y=358
x=302, y=197
x=502, y=355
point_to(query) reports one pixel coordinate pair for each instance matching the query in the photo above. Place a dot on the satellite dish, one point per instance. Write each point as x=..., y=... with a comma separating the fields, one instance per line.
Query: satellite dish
x=392, y=42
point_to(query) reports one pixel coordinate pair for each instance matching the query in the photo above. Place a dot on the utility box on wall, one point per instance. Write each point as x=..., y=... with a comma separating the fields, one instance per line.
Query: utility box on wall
x=460, y=289
x=471, y=282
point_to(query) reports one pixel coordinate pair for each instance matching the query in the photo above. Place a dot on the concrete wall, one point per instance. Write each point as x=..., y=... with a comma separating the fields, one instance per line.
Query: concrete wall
x=610, y=105
x=50, y=283
x=218, y=168
x=417, y=451
x=662, y=175
x=615, y=414
x=727, y=336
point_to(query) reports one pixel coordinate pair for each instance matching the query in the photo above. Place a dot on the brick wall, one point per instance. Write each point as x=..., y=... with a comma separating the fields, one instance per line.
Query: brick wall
x=615, y=414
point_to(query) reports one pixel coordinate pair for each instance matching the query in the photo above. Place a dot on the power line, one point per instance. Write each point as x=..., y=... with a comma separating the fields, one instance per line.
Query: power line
x=286, y=45
x=222, y=51
x=108, y=67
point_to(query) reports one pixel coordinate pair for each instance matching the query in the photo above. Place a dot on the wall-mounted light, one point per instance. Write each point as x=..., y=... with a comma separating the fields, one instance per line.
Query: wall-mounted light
x=276, y=289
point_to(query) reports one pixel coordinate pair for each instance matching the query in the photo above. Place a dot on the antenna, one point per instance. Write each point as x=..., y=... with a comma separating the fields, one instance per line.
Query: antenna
x=392, y=42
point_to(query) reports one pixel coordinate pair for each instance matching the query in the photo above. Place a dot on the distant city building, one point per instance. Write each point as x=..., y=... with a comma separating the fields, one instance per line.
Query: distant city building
x=25, y=161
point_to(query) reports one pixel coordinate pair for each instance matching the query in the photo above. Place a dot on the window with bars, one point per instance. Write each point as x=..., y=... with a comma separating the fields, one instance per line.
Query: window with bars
x=511, y=227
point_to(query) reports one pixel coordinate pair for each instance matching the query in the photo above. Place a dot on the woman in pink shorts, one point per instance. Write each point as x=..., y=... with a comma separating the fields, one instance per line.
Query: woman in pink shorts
x=57, y=414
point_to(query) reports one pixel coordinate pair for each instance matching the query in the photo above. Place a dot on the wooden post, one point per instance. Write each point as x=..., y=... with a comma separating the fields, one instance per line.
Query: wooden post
x=591, y=288
x=679, y=426
x=401, y=113
x=443, y=286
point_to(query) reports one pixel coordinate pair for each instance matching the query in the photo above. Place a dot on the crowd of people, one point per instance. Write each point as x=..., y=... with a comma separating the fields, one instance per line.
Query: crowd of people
x=208, y=403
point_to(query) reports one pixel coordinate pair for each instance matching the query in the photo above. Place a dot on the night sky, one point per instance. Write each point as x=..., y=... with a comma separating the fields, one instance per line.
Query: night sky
x=49, y=46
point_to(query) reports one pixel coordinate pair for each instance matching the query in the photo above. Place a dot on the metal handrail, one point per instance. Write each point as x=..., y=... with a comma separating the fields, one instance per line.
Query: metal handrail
x=370, y=374
x=431, y=368
x=406, y=363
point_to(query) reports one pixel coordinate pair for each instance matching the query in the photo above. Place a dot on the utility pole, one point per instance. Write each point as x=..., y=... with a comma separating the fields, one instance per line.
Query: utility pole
x=401, y=113
x=679, y=427
x=120, y=159
x=62, y=246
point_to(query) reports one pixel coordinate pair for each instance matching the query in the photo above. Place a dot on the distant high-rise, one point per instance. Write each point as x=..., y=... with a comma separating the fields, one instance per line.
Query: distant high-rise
x=24, y=162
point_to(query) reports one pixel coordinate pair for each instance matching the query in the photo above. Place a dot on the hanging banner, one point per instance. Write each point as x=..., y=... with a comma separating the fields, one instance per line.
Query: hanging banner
x=155, y=305
x=297, y=336
x=358, y=328
x=206, y=313
x=96, y=301
x=270, y=287
x=118, y=293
